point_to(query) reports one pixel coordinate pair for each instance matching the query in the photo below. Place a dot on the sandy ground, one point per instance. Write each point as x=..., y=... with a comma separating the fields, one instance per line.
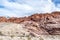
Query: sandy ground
x=43, y=37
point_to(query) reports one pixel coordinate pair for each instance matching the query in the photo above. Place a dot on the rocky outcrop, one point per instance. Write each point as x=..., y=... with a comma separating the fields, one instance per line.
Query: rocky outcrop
x=48, y=23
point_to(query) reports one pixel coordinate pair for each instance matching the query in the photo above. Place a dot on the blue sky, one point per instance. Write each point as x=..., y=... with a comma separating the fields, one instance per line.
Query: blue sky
x=21, y=8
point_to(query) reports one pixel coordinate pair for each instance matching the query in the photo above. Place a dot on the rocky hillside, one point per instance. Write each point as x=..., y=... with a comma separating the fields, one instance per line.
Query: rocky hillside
x=49, y=22
x=36, y=25
x=13, y=31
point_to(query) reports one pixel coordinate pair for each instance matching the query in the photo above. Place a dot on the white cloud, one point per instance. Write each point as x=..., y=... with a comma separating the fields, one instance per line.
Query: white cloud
x=27, y=7
x=5, y=12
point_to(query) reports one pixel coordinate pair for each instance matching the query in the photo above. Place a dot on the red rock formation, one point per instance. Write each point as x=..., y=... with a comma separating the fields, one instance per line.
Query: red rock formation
x=3, y=19
x=48, y=21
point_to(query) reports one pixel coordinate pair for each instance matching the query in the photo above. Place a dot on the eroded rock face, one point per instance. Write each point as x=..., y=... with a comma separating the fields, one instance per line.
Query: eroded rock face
x=34, y=28
x=48, y=23
x=27, y=28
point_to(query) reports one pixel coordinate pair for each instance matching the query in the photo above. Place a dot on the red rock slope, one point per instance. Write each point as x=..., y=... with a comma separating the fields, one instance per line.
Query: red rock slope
x=49, y=22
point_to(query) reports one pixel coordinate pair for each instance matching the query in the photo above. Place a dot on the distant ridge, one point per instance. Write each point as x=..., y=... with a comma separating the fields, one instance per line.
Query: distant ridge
x=34, y=17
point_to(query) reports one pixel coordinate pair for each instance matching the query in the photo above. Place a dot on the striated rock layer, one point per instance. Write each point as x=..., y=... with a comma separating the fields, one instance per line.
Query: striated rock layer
x=38, y=24
x=13, y=31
